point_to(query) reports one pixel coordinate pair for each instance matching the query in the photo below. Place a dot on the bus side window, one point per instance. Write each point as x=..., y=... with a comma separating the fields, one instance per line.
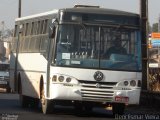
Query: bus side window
x=32, y=28
x=13, y=43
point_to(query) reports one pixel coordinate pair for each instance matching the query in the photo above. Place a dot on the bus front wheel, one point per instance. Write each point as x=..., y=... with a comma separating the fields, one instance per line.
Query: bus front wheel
x=47, y=106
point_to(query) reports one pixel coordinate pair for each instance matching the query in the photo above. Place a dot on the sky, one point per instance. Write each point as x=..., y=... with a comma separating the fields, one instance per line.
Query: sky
x=9, y=8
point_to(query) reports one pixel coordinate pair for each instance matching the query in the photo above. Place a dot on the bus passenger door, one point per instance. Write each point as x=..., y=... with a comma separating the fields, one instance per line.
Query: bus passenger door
x=51, y=50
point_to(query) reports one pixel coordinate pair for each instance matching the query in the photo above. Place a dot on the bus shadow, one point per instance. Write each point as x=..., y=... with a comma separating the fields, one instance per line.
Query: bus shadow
x=70, y=111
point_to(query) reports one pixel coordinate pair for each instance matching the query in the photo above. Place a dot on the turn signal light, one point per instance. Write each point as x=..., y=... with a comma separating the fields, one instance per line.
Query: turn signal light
x=54, y=78
x=68, y=79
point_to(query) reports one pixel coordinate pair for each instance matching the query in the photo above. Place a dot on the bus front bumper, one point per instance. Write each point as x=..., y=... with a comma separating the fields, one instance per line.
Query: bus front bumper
x=74, y=92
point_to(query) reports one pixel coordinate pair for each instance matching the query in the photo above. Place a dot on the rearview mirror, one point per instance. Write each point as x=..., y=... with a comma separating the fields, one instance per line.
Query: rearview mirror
x=52, y=28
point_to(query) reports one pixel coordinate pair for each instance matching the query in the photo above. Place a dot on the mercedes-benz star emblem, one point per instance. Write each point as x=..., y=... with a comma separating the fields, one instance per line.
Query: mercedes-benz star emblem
x=98, y=76
x=98, y=85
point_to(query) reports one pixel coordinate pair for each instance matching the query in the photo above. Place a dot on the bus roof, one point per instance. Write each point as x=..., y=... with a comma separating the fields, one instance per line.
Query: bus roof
x=37, y=15
x=91, y=10
x=97, y=10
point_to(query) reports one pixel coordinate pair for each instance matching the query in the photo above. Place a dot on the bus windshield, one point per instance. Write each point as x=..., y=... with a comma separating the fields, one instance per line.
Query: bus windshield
x=98, y=47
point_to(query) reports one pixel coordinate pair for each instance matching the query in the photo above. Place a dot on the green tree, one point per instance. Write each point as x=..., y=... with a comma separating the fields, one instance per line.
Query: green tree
x=155, y=27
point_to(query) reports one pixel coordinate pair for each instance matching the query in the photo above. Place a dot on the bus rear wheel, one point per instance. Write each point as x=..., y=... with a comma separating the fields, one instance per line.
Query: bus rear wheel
x=24, y=101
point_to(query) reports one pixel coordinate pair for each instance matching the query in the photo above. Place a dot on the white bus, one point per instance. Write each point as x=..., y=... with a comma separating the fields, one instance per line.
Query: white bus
x=60, y=57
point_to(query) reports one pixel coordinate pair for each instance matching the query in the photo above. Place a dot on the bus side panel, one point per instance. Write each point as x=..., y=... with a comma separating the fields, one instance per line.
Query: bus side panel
x=31, y=71
x=30, y=83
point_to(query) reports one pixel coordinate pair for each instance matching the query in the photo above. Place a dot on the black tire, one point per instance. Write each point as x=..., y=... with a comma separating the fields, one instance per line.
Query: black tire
x=33, y=102
x=118, y=108
x=47, y=106
x=24, y=101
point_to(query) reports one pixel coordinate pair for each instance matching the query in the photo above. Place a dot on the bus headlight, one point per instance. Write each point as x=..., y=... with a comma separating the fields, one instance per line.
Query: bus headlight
x=129, y=83
x=68, y=79
x=54, y=78
x=133, y=83
x=126, y=83
x=61, y=78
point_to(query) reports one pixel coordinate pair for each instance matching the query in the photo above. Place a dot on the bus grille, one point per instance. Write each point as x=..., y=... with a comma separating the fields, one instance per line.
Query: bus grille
x=97, y=91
